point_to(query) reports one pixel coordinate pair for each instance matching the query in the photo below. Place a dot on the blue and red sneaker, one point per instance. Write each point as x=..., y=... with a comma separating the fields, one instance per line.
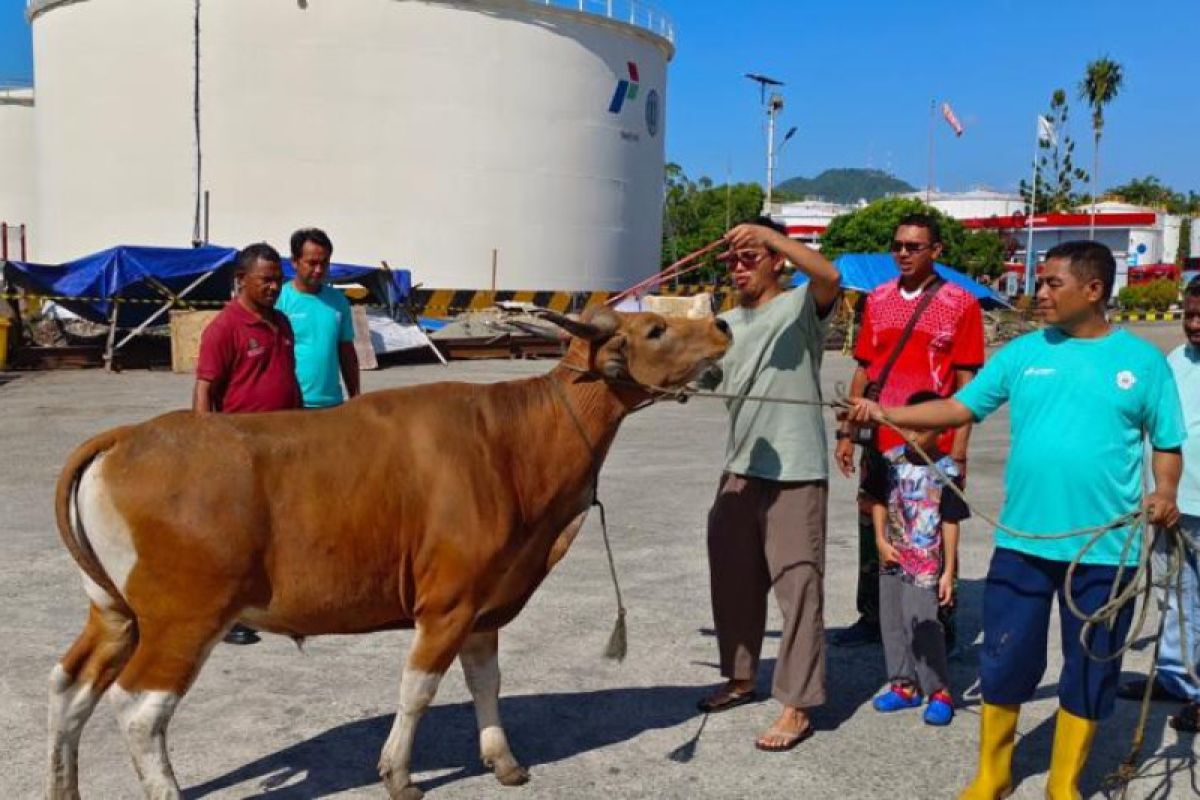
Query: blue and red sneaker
x=940, y=710
x=897, y=698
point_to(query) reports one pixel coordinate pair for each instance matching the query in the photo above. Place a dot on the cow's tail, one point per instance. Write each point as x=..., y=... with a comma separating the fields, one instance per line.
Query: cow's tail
x=70, y=525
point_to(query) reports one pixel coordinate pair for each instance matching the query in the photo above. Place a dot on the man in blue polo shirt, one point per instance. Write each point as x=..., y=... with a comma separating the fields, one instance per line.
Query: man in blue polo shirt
x=1084, y=397
x=320, y=317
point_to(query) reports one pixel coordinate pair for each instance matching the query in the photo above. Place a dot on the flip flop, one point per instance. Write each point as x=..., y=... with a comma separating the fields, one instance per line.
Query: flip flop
x=791, y=742
x=725, y=701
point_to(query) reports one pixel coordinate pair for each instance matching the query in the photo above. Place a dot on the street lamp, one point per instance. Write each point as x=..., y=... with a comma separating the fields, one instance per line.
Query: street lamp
x=773, y=106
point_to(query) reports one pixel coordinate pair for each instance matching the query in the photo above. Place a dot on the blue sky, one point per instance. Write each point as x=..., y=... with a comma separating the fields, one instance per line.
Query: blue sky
x=860, y=75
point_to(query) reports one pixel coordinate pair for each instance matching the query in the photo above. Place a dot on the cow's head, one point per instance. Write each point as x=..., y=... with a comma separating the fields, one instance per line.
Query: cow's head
x=646, y=348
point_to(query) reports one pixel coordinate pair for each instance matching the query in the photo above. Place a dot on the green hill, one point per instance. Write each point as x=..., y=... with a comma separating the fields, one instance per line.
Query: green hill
x=844, y=186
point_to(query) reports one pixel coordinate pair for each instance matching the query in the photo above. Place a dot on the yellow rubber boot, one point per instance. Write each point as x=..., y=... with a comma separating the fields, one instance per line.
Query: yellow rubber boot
x=1072, y=741
x=997, y=730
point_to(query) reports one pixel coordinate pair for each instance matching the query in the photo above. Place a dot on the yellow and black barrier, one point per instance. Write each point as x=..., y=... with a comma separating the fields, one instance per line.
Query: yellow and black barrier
x=451, y=302
x=1147, y=316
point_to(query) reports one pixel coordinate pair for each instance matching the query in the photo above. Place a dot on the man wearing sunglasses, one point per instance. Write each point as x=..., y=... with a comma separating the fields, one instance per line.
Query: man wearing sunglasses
x=766, y=529
x=940, y=351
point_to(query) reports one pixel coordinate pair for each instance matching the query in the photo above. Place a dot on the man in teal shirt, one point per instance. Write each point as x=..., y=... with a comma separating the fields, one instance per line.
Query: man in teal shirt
x=1182, y=614
x=1084, y=397
x=321, y=321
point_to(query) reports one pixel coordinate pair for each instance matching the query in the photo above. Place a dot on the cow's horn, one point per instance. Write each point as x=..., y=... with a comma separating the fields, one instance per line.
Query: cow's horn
x=580, y=328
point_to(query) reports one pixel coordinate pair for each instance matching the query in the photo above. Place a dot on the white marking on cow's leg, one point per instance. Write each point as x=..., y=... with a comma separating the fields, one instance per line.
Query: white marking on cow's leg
x=71, y=704
x=143, y=717
x=107, y=531
x=417, y=690
x=481, y=667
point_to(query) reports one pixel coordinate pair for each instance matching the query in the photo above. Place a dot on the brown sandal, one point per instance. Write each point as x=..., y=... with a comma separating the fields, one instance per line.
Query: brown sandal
x=724, y=700
x=788, y=744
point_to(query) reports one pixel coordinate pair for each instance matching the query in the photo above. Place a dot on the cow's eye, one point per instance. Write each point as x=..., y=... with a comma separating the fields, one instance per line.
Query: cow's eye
x=656, y=332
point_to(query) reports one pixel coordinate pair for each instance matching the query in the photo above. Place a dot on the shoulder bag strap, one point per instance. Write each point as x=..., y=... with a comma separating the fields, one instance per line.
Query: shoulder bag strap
x=926, y=299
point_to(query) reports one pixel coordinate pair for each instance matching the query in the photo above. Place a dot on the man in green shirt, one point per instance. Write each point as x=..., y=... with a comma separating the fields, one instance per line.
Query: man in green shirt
x=766, y=529
x=1084, y=397
x=321, y=321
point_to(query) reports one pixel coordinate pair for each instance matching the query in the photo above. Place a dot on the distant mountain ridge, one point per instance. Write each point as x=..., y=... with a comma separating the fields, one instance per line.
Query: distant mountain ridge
x=846, y=185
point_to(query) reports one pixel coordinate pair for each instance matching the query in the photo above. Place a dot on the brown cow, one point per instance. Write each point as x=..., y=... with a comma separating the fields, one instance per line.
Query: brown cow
x=439, y=507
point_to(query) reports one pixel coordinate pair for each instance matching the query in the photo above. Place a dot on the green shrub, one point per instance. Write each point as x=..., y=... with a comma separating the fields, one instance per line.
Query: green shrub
x=1162, y=294
x=1158, y=295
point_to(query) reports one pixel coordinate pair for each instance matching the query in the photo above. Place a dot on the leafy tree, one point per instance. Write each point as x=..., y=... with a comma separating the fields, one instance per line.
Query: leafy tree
x=698, y=212
x=1056, y=173
x=1151, y=192
x=1101, y=84
x=869, y=230
x=1184, y=250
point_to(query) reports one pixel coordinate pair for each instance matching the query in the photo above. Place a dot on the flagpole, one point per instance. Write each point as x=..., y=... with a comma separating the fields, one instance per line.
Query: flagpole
x=1030, y=255
x=929, y=185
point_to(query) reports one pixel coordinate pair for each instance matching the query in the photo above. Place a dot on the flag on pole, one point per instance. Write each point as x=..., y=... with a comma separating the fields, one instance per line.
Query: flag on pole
x=948, y=113
x=1046, y=132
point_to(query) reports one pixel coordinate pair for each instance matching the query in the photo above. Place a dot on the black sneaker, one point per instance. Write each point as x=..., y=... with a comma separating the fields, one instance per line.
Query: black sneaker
x=860, y=633
x=1136, y=690
x=240, y=634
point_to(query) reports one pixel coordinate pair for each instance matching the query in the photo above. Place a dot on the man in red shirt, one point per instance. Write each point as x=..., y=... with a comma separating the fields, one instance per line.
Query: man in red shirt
x=943, y=351
x=246, y=362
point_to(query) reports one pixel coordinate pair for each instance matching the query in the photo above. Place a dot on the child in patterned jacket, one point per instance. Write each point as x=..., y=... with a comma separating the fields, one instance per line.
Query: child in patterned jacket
x=916, y=519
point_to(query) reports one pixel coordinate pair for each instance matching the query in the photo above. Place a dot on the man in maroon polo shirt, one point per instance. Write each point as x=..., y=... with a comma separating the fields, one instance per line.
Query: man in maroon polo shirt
x=246, y=362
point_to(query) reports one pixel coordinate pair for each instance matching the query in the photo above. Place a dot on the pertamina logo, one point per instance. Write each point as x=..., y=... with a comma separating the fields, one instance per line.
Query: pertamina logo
x=626, y=90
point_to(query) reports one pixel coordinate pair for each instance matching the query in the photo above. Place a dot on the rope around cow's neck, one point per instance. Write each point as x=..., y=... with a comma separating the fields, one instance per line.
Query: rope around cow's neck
x=618, y=641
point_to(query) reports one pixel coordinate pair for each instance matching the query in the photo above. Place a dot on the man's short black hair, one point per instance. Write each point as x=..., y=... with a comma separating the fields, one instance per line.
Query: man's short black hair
x=1193, y=287
x=927, y=221
x=250, y=255
x=767, y=222
x=306, y=235
x=923, y=396
x=1088, y=261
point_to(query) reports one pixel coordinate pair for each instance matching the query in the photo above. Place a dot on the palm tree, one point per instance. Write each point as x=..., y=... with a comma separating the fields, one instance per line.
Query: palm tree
x=1099, y=87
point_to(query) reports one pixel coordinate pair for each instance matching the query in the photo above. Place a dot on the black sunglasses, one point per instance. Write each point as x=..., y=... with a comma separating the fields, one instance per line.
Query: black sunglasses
x=909, y=247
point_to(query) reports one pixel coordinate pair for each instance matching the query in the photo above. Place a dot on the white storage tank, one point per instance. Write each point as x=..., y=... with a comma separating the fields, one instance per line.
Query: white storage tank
x=426, y=133
x=17, y=206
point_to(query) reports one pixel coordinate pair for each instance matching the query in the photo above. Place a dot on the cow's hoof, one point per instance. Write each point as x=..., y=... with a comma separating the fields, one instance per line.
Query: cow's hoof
x=514, y=776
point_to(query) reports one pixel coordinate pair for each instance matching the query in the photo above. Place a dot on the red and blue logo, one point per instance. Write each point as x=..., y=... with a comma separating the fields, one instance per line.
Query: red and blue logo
x=626, y=90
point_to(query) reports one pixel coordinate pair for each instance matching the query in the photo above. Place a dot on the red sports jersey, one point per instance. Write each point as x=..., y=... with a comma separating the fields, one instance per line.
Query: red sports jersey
x=948, y=337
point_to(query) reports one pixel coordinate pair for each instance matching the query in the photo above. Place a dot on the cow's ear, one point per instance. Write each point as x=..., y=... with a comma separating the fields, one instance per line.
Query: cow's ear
x=616, y=362
x=593, y=327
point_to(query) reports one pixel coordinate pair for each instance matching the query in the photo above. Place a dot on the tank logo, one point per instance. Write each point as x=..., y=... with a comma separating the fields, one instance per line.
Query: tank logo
x=652, y=112
x=626, y=90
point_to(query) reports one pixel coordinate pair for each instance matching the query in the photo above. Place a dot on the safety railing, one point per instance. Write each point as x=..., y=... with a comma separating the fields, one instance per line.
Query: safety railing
x=633, y=12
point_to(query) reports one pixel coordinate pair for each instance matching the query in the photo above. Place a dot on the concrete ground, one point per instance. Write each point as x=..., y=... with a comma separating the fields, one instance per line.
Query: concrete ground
x=272, y=721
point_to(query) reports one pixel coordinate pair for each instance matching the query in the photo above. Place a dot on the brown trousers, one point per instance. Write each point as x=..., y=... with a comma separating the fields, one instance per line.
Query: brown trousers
x=764, y=535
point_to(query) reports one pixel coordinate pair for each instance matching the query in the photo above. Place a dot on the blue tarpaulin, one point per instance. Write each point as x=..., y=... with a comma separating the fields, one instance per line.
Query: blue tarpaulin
x=149, y=273
x=864, y=271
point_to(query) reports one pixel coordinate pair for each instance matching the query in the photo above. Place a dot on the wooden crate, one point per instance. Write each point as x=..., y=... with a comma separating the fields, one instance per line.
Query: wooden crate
x=186, y=327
